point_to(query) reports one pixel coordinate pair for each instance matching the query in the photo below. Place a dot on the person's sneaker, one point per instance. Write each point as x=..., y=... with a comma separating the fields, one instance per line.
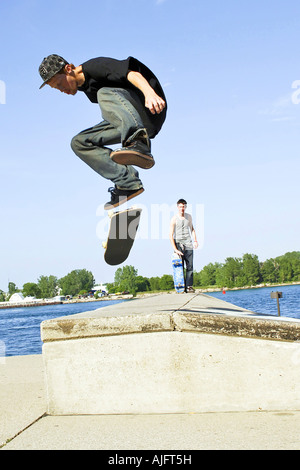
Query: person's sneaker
x=190, y=289
x=120, y=196
x=136, y=154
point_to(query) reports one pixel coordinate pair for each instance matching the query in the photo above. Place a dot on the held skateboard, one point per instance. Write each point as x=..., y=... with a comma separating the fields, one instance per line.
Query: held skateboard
x=178, y=273
x=121, y=235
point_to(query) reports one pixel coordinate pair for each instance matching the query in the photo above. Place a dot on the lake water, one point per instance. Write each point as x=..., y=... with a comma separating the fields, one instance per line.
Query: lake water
x=20, y=327
x=259, y=300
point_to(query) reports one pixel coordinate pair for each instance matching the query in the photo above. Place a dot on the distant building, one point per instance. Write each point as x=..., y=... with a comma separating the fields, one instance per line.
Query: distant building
x=99, y=288
x=59, y=298
x=17, y=297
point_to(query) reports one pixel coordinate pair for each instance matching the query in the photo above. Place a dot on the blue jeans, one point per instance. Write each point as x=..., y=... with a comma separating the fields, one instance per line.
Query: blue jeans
x=122, y=123
x=187, y=259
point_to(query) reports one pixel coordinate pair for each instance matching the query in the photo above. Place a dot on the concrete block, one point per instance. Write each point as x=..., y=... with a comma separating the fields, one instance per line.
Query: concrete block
x=176, y=354
x=170, y=372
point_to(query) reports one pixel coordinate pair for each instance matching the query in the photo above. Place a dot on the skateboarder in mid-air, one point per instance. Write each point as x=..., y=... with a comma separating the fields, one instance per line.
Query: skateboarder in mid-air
x=133, y=107
x=183, y=240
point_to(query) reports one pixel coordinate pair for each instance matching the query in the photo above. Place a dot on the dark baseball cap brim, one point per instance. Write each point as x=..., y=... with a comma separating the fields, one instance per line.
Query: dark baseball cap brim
x=45, y=83
x=48, y=79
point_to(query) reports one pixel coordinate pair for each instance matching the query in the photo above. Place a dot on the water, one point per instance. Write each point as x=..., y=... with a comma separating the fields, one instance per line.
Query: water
x=20, y=327
x=259, y=300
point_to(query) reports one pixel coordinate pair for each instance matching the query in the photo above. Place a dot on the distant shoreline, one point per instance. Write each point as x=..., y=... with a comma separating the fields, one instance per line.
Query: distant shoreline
x=258, y=286
x=44, y=302
x=112, y=297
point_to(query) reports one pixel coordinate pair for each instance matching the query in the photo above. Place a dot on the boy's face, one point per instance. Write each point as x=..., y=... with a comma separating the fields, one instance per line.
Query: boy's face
x=64, y=83
x=181, y=208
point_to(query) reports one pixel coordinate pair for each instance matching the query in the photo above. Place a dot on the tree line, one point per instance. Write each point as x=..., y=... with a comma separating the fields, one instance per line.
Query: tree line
x=234, y=272
x=75, y=283
x=249, y=271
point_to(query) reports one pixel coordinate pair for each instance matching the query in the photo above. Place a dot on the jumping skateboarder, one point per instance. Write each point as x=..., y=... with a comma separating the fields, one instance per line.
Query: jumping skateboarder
x=182, y=234
x=133, y=107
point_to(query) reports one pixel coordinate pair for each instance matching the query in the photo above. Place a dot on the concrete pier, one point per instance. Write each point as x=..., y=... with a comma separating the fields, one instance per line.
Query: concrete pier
x=170, y=354
x=165, y=372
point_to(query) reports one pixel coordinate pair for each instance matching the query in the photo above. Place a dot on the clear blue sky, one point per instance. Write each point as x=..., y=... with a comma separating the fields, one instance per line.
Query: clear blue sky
x=230, y=144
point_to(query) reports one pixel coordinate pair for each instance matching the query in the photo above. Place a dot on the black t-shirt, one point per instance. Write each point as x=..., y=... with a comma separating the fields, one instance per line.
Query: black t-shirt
x=106, y=72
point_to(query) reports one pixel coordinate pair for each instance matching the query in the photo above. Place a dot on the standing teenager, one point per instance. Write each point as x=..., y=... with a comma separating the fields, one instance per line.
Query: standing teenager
x=184, y=241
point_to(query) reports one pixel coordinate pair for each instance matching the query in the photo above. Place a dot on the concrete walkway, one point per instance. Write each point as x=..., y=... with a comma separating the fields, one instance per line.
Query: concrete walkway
x=25, y=425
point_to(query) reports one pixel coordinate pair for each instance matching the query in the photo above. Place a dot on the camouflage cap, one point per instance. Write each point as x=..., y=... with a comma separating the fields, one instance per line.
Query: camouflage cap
x=50, y=66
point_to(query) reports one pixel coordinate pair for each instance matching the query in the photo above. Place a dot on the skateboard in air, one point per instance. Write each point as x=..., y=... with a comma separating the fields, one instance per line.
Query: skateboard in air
x=121, y=235
x=178, y=273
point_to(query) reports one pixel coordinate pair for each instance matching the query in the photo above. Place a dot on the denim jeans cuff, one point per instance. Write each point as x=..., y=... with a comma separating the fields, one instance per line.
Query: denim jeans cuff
x=140, y=134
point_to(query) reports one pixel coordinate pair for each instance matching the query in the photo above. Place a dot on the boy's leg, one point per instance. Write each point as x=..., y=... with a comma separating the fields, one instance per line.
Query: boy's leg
x=90, y=146
x=117, y=107
x=188, y=257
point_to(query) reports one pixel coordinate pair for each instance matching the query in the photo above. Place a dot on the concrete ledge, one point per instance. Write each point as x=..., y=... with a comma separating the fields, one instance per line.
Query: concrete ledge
x=242, y=327
x=75, y=328
x=198, y=313
x=171, y=354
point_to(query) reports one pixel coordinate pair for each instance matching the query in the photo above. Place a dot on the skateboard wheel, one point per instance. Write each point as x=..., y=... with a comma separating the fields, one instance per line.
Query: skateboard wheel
x=110, y=214
x=104, y=244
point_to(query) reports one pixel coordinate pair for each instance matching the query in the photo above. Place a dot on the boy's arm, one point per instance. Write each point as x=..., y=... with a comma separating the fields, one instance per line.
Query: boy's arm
x=171, y=236
x=152, y=101
x=195, y=239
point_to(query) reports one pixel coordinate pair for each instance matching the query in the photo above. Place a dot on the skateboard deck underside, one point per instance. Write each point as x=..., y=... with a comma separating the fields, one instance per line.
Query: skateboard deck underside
x=123, y=228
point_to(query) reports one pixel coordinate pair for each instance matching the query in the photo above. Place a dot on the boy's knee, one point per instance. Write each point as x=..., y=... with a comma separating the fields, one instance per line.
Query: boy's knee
x=76, y=143
x=104, y=92
x=106, y=95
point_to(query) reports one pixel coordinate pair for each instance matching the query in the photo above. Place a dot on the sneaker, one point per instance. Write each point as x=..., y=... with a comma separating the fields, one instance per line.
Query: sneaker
x=136, y=154
x=190, y=289
x=120, y=196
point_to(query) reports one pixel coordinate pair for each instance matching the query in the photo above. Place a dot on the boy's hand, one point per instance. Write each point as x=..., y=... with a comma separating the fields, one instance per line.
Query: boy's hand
x=154, y=103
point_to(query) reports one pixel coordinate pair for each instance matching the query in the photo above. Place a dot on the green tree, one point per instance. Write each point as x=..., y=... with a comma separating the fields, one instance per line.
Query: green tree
x=31, y=289
x=111, y=288
x=269, y=271
x=142, y=284
x=76, y=281
x=251, y=269
x=220, y=276
x=295, y=260
x=232, y=272
x=285, y=269
x=12, y=288
x=197, y=278
x=166, y=282
x=126, y=279
x=2, y=296
x=47, y=286
x=208, y=274
x=154, y=283
x=289, y=266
